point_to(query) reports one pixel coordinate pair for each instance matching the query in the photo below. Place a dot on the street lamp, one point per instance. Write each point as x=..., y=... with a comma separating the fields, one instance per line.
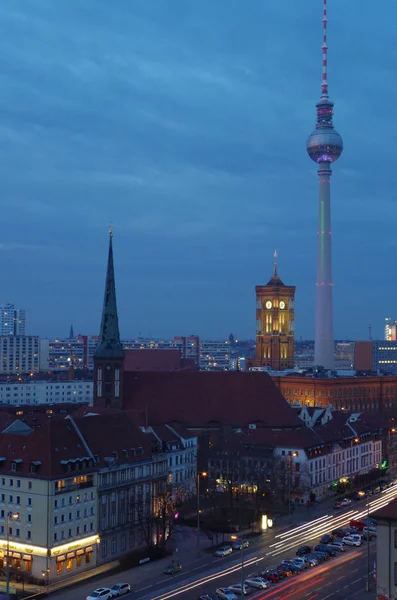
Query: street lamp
x=204, y=474
x=291, y=455
x=234, y=537
x=10, y=516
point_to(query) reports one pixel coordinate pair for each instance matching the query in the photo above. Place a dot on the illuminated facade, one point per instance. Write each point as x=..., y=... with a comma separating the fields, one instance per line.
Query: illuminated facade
x=19, y=354
x=324, y=147
x=390, y=330
x=12, y=320
x=45, y=392
x=274, y=324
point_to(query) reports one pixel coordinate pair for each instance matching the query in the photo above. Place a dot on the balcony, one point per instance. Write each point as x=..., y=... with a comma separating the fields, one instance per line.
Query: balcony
x=71, y=485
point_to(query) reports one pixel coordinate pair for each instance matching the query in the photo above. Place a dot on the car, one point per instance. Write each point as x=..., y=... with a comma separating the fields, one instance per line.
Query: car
x=236, y=587
x=338, y=504
x=358, y=495
x=301, y=561
x=367, y=535
x=208, y=597
x=223, y=551
x=226, y=594
x=119, y=589
x=340, y=533
x=272, y=576
x=345, y=502
x=100, y=594
x=326, y=539
x=377, y=489
x=173, y=569
x=313, y=560
x=284, y=570
x=324, y=548
x=322, y=556
x=295, y=569
x=302, y=550
x=357, y=524
x=257, y=582
x=383, y=485
x=240, y=544
x=337, y=546
x=350, y=540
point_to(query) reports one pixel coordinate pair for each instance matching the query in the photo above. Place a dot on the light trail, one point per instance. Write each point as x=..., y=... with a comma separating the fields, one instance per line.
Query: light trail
x=190, y=586
x=305, y=525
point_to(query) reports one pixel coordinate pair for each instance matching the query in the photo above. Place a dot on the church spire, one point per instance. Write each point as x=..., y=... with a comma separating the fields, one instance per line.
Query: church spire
x=275, y=279
x=275, y=273
x=109, y=345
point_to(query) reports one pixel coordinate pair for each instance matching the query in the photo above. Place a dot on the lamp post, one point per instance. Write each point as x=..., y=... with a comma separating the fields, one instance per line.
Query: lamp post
x=368, y=536
x=234, y=537
x=10, y=516
x=291, y=455
x=198, y=509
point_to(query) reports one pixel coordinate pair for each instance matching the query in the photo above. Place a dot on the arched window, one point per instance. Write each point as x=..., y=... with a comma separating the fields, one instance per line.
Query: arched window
x=116, y=383
x=99, y=382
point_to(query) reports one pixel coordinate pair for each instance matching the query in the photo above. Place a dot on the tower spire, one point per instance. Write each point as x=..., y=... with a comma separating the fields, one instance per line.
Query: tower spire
x=324, y=83
x=109, y=345
x=275, y=272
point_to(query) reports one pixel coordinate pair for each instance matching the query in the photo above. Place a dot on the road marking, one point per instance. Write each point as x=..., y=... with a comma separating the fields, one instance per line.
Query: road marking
x=346, y=586
x=339, y=578
x=329, y=596
x=145, y=588
x=356, y=580
x=355, y=571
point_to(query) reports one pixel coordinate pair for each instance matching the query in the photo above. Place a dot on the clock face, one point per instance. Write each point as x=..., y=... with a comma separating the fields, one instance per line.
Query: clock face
x=282, y=304
x=268, y=304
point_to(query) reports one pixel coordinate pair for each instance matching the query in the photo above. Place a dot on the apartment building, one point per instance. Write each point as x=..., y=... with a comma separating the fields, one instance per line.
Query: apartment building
x=19, y=354
x=12, y=320
x=49, y=487
x=46, y=392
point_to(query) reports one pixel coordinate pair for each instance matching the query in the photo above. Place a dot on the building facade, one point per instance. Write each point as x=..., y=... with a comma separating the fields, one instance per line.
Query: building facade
x=12, y=320
x=377, y=394
x=46, y=392
x=386, y=551
x=215, y=355
x=275, y=324
x=19, y=354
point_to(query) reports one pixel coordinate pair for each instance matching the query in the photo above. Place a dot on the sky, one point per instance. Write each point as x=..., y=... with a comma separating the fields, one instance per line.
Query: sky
x=184, y=123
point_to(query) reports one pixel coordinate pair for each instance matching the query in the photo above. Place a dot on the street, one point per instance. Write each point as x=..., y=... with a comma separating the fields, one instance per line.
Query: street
x=340, y=577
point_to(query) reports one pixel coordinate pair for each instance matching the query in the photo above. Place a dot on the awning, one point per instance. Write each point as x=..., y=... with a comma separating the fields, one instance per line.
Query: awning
x=70, y=555
x=16, y=555
x=60, y=558
x=89, y=549
x=27, y=557
x=79, y=552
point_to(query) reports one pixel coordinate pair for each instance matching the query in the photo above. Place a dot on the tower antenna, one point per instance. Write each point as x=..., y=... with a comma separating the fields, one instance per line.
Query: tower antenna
x=275, y=272
x=324, y=83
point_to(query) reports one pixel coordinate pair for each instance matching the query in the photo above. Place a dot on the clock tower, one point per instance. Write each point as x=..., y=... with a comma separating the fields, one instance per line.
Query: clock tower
x=109, y=354
x=275, y=323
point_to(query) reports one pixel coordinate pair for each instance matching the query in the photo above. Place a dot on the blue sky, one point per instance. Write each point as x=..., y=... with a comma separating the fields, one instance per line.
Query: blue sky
x=185, y=123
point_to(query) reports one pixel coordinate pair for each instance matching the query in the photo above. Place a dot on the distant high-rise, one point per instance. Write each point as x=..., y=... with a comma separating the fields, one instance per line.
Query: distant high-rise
x=12, y=320
x=324, y=146
x=390, y=330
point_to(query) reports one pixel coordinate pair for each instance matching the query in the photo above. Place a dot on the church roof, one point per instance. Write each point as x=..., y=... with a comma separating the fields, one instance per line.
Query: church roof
x=109, y=345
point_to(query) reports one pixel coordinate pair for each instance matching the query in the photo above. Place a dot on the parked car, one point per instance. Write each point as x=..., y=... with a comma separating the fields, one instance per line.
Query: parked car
x=208, y=597
x=313, y=560
x=257, y=582
x=240, y=544
x=322, y=556
x=345, y=502
x=173, y=569
x=337, y=546
x=324, y=548
x=300, y=562
x=272, y=576
x=340, y=533
x=236, y=587
x=119, y=589
x=302, y=550
x=326, y=539
x=284, y=570
x=295, y=569
x=226, y=594
x=338, y=504
x=357, y=524
x=350, y=540
x=358, y=495
x=100, y=594
x=223, y=551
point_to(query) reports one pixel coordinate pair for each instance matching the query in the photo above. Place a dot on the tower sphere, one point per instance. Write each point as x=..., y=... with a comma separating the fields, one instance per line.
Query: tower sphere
x=324, y=145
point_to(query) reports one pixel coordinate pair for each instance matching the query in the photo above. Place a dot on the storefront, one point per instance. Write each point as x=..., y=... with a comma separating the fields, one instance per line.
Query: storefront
x=74, y=560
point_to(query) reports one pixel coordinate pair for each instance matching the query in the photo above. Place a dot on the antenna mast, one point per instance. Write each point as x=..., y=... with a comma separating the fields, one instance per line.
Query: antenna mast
x=324, y=83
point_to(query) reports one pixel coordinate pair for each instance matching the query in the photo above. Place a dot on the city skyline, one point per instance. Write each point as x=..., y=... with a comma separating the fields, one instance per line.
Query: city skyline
x=179, y=136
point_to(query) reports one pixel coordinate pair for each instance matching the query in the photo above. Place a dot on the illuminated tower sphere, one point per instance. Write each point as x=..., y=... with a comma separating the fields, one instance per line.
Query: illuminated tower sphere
x=324, y=146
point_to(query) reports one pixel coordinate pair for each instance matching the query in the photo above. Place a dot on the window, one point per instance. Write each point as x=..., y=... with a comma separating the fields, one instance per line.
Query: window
x=55, y=503
x=78, y=560
x=55, y=520
x=29, y=501
x=77, y=530
x=11, y=499
x=70, y=516
x=77, y=514
x=18, y=499
x=123, y=542
x=114, y=545
x=69, y=564
x=104, y=548
x=28, y=534
x=70, y=533
x=17, y=533
x=55, y=537
x=29, y=518
x=11, y=480
x=18, y=483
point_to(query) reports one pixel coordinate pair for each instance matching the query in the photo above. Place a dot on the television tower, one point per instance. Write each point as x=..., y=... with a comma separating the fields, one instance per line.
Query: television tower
x=324, y=146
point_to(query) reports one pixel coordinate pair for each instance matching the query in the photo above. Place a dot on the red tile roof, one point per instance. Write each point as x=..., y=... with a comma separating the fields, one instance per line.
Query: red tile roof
x=196, y=399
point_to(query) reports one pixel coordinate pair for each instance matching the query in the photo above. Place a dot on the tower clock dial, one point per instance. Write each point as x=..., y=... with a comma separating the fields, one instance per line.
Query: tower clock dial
x=268, y=304
x=282, y=304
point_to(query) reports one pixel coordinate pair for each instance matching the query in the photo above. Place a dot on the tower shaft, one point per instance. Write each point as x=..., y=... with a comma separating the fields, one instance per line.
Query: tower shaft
x=324, y=341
